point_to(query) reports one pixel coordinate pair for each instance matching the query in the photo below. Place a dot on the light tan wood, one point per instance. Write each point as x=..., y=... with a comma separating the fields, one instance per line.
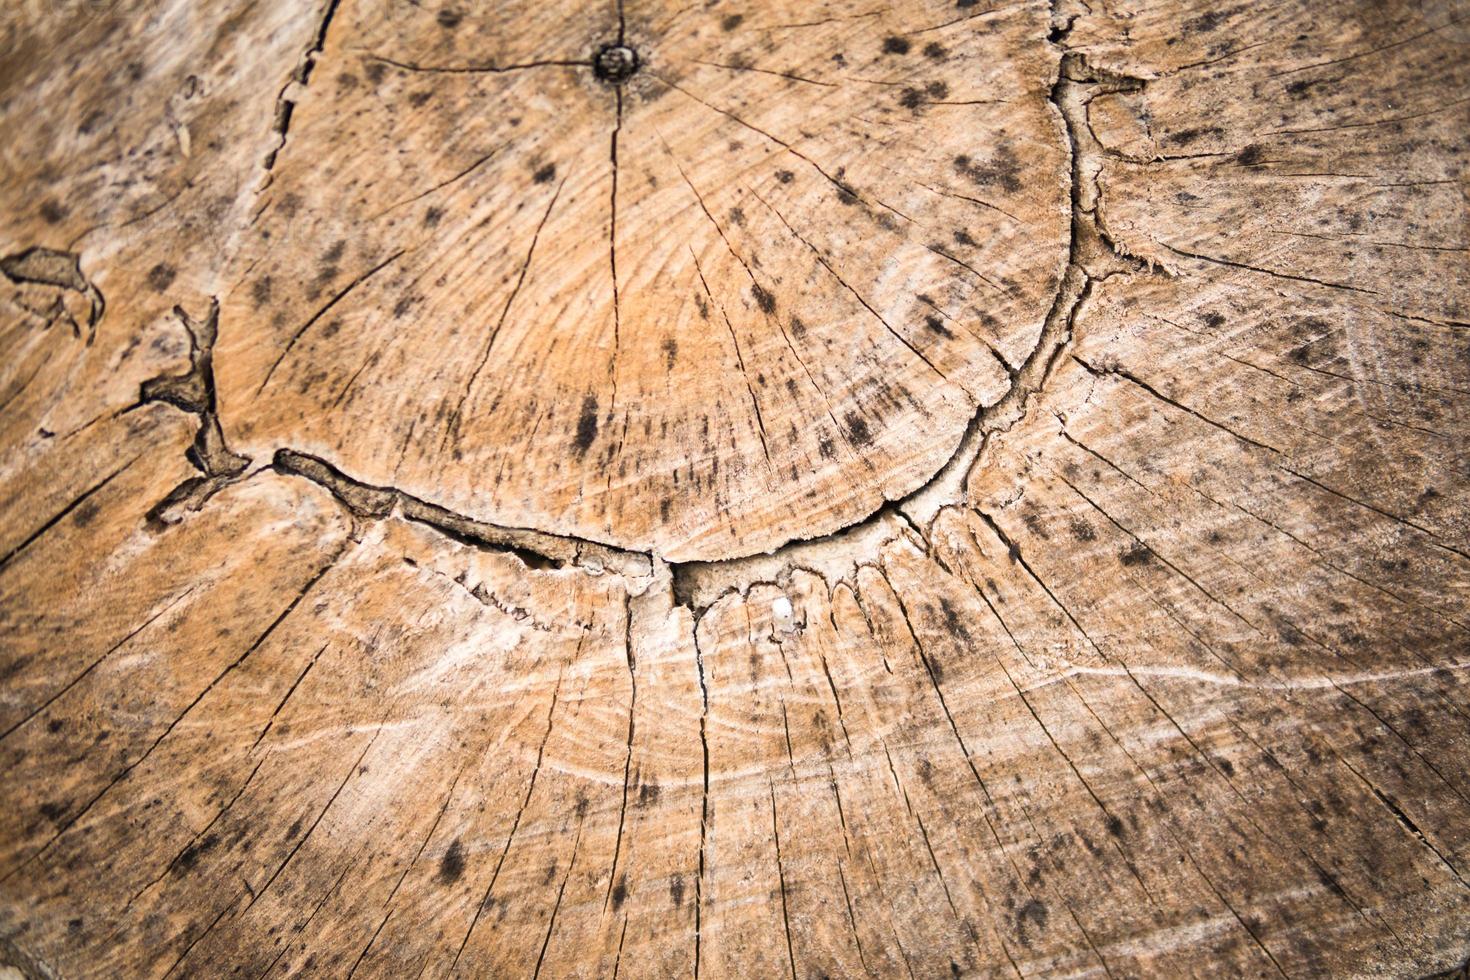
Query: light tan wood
x=912, y=490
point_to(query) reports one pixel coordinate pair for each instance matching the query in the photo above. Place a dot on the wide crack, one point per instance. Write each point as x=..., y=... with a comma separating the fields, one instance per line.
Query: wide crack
x=1091, y=258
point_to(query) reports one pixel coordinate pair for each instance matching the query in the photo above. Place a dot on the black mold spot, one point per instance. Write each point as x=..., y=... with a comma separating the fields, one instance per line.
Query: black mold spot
x=1139, y=554
x=432, y=216
x=84, y=513
x=449, y=19
x=953, y=622
x=1251, y=155
x=1003, y=169
x=53, y=211
x=1186, y=136
x=857, y=430
x=731, y=22
x=451, y=866
x=1033, y=912
x=763, y=298
x=676, y=890
x=586, y=425
x=545, y=175
x=620, y=892
x=161, y=276
x=785, y=176
x=935, y=51
x=937, y=325
x=895, y=45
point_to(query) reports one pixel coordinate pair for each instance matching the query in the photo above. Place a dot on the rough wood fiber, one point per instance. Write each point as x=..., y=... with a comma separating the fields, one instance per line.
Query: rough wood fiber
x=912, y=490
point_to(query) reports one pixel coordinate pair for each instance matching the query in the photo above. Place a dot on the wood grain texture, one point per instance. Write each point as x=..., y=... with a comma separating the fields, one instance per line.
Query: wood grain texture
x=873, y=490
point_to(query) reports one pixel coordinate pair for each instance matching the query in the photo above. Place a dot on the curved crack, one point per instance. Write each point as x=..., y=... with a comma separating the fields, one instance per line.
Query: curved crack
x=1092, y=257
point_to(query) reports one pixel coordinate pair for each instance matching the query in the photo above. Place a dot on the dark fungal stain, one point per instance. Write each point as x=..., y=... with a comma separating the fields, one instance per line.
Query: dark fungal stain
x=1003, y=169
x=1033, y=913
x=1115, y=826
x=1136, y=555
x=545, y=175
x=785, y=176
x=1205, y=22
x=798, y=328
x=953, y=622
x=586, y=425
x=731, y=22
x=1186, y=136
x=189, y=856
x=763, y=298
x=857, y=430
x=449, y=19
x=894, y=44
x=911, y=98
x=620, y=892
x=54, y=725
x=676, y=890
x=934, y=51
x=937, y=325
x=432, y=216
x=451, y=866
x=419, y=99
x=375, y=71
x=937, y=89
x=1251, y=155
x=53, y=212
x=294, y=830
x=161, y=276
x=1082, y=531
x=737, y=216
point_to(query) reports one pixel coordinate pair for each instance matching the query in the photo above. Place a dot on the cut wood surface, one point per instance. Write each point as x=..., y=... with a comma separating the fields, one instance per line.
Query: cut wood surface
x=734, y=490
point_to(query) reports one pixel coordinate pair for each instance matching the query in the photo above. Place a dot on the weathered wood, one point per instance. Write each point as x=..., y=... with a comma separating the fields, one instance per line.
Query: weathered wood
x=655, y=489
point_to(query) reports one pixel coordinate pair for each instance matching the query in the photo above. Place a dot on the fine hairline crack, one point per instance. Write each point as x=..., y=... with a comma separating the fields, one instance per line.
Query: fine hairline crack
x=1092, y=257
